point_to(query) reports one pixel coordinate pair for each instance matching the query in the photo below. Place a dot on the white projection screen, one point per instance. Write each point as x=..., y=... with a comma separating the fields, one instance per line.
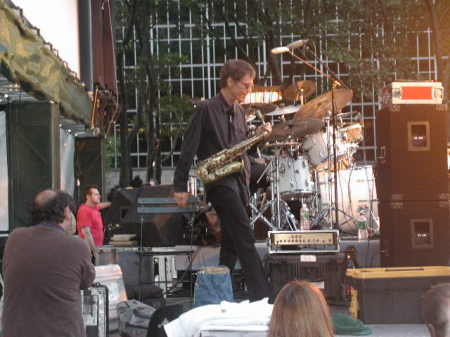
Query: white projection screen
x=57, y=21
x=4, y=211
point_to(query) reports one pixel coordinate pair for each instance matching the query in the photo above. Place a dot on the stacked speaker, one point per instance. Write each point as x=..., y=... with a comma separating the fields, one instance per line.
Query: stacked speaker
x=412, y=184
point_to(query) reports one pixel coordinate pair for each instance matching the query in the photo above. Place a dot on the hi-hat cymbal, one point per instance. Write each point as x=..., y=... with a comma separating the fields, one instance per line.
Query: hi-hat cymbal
x=296, y=128
x=293, y=91
x=320, y=106
x=284, y=110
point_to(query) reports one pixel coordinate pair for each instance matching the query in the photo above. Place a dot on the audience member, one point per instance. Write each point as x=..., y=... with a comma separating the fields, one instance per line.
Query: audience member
x=136, y=182
x=436, y=310
x=45, y=267
x=300, y=310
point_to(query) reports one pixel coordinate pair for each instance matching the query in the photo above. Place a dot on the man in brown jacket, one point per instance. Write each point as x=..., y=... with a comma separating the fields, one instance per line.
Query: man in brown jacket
x=44, y=270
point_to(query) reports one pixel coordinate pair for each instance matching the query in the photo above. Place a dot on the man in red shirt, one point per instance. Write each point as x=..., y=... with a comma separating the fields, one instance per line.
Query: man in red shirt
x=89, y=220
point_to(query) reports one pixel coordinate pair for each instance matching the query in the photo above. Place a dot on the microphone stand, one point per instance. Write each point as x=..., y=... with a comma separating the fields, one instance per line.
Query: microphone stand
x=334, y=125
x=336, y=82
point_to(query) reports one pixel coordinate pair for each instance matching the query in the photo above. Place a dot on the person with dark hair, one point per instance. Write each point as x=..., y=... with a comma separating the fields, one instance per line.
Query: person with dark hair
x=300, y=310
x=44, y=268
x=136, y=182
x=436, y=310
x=218, y=124
x=89, y=220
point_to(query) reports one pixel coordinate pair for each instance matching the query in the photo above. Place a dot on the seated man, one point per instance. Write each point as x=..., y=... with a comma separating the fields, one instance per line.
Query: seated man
x=436, y=310
x=45, y=267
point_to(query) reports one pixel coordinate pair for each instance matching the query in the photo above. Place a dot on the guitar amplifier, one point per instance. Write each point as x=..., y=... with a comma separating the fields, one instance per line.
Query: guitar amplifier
x=310, y=241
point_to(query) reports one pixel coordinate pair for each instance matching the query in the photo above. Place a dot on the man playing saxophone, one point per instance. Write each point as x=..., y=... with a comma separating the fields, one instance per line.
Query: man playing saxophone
x=219, y=124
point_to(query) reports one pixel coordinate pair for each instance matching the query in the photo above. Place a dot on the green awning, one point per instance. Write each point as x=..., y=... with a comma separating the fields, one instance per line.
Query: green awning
x=26, y=59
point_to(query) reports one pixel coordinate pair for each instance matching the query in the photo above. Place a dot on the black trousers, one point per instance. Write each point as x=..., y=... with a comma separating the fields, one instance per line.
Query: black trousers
x=238, y=241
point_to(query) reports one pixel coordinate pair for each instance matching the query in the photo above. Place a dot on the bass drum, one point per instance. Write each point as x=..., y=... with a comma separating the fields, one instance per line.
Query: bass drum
x=295, y=179
x=356, y=192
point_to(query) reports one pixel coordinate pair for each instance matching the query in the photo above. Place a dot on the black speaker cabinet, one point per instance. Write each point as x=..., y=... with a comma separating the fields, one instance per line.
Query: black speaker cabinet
x=33, y=155
x=412, y=152
x=414, y=233
x=327, y=271
x=159, y=228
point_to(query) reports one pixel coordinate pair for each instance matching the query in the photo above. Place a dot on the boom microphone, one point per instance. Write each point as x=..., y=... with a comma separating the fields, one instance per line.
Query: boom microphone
x=289, y=47
x=296, y=44
x=279, y=50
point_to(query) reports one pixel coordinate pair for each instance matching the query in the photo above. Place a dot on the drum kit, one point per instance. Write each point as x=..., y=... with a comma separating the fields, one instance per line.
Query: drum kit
x=300, y=170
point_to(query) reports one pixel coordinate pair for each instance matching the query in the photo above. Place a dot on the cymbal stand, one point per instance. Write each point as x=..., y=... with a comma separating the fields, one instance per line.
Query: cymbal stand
x=275, y=190
x=335, y=82
x=258, y=213
x=273, y=168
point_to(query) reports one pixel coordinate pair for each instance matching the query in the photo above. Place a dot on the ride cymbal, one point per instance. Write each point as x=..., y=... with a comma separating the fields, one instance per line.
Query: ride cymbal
x=296, y=128
x=284, y=110
x=321, y=106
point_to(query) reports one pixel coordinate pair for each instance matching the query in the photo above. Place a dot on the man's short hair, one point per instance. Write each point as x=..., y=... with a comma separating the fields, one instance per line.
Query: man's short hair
x=52, y=209
x=87, y=190
x=436, y=309
x=236, y=69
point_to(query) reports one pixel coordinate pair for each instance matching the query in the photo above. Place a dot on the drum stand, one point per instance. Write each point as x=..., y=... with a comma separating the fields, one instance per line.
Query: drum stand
x=275, y=204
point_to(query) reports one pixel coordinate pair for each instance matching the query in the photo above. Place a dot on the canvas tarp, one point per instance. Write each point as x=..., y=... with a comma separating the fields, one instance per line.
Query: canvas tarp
x=26, y=59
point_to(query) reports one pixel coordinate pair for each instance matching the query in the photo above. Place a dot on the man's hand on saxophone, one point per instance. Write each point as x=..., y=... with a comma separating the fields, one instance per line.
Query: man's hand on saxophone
x=266, y=127
x=181, y=198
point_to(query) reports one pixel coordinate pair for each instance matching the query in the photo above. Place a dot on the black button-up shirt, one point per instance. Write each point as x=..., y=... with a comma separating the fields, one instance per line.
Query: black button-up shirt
x=215, y=126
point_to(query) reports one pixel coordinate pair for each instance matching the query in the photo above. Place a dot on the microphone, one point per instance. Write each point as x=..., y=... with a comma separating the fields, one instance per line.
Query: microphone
x=279, y=50
x=289, y=47
x=297, y=44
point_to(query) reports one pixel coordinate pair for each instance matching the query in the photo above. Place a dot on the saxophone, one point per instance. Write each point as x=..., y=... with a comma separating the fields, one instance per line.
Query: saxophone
x=224, y=162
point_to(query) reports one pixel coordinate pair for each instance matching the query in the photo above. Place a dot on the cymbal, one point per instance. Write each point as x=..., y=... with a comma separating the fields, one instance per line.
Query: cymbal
x=296, y=128
x=293, y=91
x=283, y=144
x=250, y=117
x=263, y=107
x=284, y=110
x=320, y=106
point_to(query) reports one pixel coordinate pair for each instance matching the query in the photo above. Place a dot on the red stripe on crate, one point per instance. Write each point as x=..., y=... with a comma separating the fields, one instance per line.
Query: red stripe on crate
x=417, y=93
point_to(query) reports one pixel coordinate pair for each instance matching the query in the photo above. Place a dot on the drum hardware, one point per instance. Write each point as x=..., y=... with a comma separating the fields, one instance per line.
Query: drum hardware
x=356, y=187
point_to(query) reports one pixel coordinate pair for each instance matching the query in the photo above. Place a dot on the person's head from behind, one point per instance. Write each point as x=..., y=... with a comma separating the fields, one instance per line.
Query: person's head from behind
x=436, y=310
x=54, y=207
x=236, y=79
x=300, y=310
x=92, y=195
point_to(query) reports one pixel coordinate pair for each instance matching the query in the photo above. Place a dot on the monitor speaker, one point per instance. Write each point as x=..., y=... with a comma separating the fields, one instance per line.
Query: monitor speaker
x=151, y=230
x=414, y=233
x=412, y=153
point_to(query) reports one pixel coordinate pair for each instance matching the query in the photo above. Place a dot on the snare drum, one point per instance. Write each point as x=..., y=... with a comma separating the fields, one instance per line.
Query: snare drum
x=352, y=133
x=316, y=147
x=295, y=178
